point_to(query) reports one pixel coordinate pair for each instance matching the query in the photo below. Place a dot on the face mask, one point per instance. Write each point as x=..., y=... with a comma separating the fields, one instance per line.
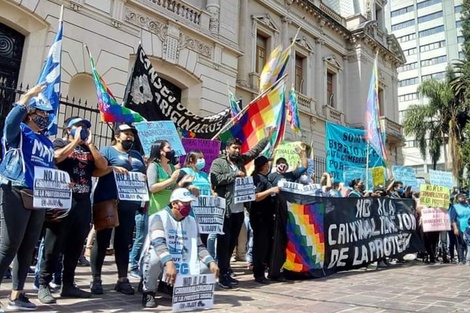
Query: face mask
x=184, y=209
x=127, y=144
x=41, y=121
x=463, y=201
x=400, y=190
x=83, y=133
x=200, y=164
x=361, y=187
x=170, y=155
x=281, y=167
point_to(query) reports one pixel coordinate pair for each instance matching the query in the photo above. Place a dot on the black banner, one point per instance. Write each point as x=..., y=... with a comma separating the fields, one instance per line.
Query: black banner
x=146, y=94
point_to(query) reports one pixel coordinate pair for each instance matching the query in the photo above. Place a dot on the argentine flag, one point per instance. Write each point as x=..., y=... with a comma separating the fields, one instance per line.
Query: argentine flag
x=50, y=76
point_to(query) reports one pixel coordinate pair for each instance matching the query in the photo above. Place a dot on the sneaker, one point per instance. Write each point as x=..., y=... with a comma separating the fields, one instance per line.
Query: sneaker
x=135, y=274
x=96, y=287
x=224, y=282
x=148, y=300
x=261, y=280
x=45, y=296
x=21, y=304
x=124, y=287
x=82, y=261
x=72, y=291
x=54, y=286
x=233, y=281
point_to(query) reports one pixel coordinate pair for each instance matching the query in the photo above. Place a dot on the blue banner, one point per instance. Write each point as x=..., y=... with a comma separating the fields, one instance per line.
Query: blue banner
x=346, y=147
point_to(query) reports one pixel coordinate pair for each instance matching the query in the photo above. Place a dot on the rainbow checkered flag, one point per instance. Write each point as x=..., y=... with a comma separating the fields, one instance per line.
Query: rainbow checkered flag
x=293, y=112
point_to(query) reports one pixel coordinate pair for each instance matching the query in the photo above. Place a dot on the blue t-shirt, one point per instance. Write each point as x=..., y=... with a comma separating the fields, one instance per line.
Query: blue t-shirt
x=131, y=161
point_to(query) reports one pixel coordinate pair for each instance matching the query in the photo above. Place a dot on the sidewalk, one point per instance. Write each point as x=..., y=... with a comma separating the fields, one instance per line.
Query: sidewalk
x=413, y=287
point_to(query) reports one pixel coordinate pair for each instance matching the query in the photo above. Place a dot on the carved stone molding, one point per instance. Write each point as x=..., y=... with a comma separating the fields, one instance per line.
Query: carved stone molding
x=196, y=45
x=75, y=5
x=303, y=42
x=154, y=26
x=267, y=21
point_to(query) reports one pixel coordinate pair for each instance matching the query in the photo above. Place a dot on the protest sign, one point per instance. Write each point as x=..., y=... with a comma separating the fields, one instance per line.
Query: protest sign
x=328, y=234
x=244, y=189
x=131, y=186
x=209, y=213
x=149, y=132
x=406, y=175
x=51, y=189
x=351, y=173
x=378, y=175
x=287, y=151
x=346, y=146
x=434, y=219
x=298, y=188
x=193, y=292
x=441, y=178
x=434, y=196
x=210, y=149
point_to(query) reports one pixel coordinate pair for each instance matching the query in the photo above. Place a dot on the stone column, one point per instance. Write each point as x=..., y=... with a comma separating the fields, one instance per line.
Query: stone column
x=243, y=38
x=320, y=77
x=213, y=7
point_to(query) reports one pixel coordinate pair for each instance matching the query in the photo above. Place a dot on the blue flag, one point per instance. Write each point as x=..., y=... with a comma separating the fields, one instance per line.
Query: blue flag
x=50, y=76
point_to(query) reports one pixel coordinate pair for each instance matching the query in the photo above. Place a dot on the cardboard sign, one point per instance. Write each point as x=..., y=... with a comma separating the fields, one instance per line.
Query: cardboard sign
x=149, y=132
x=193, y=292
x=378, y=175
x=244, y=189
x=209, y=213
x=441, y=178
x=132, y=186
x=434, y=196
x=287, y=151
x=51, y=189
x=434, y=219
x=210, y=149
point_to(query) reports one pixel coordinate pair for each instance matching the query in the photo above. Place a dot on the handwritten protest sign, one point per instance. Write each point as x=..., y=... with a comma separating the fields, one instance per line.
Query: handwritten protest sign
x=351, y=173
x=406, y=175
x=244, y=189
x=210, y=149
x=287, y=151
x=209, y=213
x=301, y=189
x=51, y=189
x=434, y=196
x=132, y=186
x=441, y=178
x=434, y=219
x=378, y=175
x=346, y=146
x=149, y=132
x=193, y=292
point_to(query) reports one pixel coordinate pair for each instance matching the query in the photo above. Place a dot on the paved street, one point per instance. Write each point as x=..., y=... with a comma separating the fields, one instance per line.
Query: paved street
x=413, y=287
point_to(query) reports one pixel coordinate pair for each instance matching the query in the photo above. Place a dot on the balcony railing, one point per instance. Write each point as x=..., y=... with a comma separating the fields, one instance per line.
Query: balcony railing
x=334, y=115
x=306, y=104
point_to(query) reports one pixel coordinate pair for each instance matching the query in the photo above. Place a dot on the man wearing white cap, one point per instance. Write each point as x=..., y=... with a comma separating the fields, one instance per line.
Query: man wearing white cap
x=173, y=243
x=78, y=156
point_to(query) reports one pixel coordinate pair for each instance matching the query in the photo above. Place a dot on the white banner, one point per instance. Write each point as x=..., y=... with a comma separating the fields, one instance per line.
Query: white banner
x=132, y=186
x=244, y=189
x=51, y=189
x=209, y=212
x=308, y=190
x=193, y=292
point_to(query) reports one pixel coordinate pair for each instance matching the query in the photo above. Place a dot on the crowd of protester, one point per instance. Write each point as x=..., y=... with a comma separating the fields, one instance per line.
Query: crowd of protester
x=153, y=255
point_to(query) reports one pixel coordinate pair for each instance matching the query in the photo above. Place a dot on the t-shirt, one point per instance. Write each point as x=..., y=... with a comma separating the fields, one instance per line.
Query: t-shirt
x=130, y=160
x=275, y=177
x=201, y=180
x=160, y=199
x=265, y=206
x=79, y=164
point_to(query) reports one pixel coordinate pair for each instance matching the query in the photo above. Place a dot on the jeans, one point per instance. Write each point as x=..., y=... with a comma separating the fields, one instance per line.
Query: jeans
x=21, y=229
x=141, y=230
x=249, y=242
x=211, y=244
x=122, y=241
x=58, y=272
x=262, y=225
x=227, y=242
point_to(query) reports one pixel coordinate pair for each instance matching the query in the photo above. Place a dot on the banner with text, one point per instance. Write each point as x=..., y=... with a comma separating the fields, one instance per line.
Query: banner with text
x=210, y=149
x=193, y=292
x=435, y=219
x=51, y=189
x=441, y=178
x=434, y=196
x=244, y=189
x=149, y=132
x=132, y=186
x=346, y=147
x=209, y=213
x=329, y=234
x=287, y=151
x=406, y=175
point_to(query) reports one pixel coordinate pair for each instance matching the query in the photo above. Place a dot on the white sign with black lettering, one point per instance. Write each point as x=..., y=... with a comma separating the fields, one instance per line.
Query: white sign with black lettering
x=244, y=189
x=51, y=189
x=209, y=212
x=131, y=186
x=308, y=190
x=193, y=292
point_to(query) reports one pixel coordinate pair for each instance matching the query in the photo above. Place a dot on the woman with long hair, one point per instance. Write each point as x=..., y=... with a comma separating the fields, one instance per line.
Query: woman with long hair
x=122, y=159
x=21, y=223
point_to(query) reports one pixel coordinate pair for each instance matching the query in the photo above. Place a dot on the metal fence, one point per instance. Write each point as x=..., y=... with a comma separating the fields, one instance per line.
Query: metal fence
x=102, y=132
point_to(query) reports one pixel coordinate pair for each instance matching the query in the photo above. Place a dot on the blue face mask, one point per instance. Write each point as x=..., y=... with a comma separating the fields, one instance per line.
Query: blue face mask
x=400, y=190
x=83, y=133
x=200, y=164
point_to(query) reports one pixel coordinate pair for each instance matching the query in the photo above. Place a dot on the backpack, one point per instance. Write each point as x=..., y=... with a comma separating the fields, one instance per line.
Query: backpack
x=12, y=167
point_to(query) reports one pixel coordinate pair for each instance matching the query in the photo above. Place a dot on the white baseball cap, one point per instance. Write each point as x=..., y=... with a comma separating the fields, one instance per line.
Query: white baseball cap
x=182, y=194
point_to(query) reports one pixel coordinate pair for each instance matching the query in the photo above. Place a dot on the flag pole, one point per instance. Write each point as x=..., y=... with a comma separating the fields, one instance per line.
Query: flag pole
x=61, y=13
x=367, y=166
x=242, y=111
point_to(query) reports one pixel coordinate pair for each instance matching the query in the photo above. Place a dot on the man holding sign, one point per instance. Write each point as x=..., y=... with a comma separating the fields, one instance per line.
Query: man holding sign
x=224, y=171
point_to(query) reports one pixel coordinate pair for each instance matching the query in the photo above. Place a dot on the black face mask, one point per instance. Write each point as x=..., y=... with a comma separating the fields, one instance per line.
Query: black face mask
x=127, y=144
x=361, y=187
x=170, y=155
